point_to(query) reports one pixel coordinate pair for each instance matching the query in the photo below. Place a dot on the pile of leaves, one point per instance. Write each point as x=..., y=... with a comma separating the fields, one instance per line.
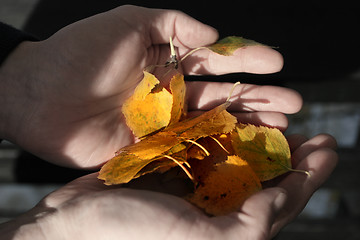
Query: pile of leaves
x=225, y=160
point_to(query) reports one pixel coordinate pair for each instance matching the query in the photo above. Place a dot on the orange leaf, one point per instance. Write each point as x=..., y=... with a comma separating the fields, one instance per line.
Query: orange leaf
x=194, y=128
x=215, y=121
x=224, y=189
x=165, y=142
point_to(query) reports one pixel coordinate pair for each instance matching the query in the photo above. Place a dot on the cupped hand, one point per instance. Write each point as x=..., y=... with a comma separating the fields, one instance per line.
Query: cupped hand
x=62, y=97
x=88, y=209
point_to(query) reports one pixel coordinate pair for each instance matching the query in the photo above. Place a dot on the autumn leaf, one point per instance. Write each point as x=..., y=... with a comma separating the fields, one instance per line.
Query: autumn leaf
x=226, y=161
x=215, y=121
x=227, y=46
x=189, y=129
x=178, y=90
x=152, y=106
x=224, y=189
x=131, y=159
x=178, y=152
x=265, y=149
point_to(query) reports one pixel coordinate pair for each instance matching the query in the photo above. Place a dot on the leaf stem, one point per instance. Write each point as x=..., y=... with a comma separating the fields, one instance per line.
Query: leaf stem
x=296, y=170
x=232, y=90
x=191, y=52
x=180, y=165
x=172, y=49
x=299, y=171
x=218, y=142
x=173, y=59
x=199, y=145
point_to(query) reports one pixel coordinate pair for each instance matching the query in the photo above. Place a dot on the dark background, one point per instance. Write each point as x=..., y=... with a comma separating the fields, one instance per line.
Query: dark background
x=317, y=40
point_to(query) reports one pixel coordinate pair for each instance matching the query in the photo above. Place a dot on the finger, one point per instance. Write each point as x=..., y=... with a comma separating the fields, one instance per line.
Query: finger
x=270, y=119
x=255, y=59
x=300, y=187
x=246, y=97
x=259, y=211
x=319, y=141
x=186, y=31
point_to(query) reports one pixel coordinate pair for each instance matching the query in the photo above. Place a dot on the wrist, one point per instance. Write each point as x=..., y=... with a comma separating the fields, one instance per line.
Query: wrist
x=10, y=41
x=14, y=91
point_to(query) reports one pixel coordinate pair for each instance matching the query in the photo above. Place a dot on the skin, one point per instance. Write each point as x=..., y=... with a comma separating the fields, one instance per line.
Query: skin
x=61, y=98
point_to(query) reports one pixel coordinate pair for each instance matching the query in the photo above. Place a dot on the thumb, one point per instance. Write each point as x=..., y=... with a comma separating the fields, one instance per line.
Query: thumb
x=260, y=210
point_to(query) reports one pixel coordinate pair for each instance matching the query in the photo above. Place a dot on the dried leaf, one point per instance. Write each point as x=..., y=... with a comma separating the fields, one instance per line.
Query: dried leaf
x=122, y=168
x=194, y=128
x=149, y=108
x=265, y=149
x=226, y=161
x=152, y=106
x=224, y=189
x=228, y=45
x=178, y=91
x=165, y=142
x=215, y=121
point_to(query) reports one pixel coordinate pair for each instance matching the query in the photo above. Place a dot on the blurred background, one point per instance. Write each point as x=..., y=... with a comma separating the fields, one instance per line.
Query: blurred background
x=320, y=45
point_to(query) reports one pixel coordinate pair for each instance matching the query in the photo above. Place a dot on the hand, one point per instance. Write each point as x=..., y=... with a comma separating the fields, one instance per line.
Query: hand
x=61, y=97
x=87, y=209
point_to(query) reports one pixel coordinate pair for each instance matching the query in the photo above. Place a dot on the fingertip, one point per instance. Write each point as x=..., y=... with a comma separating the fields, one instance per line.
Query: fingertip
x=191, y=33
x=260, y=59
x=282, y=99
x=329, y=140
x=185, y=30
x=298, y=101
x=278, y=60
x=320, y=164
x=269, y=200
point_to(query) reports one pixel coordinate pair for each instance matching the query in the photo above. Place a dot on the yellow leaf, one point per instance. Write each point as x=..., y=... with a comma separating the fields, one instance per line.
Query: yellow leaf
x=215, y=121
x=191, y=129
x=149, y=108
x=227, y=46
x=223, y=189
x=178, y=90
x=168, y=141
x=152, y=106
x=122, y=168
x=265, y=149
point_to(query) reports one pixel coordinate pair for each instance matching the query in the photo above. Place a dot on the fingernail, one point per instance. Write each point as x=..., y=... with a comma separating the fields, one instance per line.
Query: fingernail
x=280, y=201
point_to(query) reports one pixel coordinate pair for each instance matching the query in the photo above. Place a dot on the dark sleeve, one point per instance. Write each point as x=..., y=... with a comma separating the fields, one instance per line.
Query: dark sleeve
x=10, y=38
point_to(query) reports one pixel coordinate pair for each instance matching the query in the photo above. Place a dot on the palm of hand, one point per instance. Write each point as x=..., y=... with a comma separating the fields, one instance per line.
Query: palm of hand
x=85, y=88
x=133, y=213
